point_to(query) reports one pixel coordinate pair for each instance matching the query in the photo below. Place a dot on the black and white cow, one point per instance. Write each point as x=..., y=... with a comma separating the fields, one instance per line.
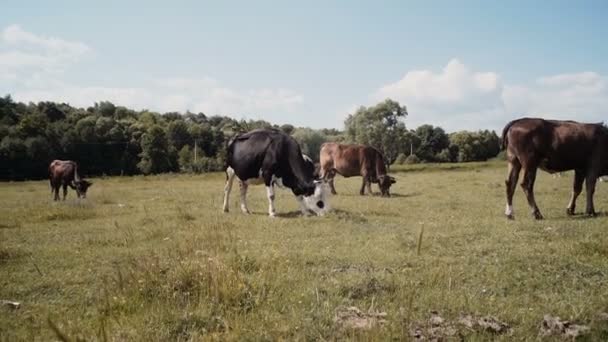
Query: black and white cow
x=272, y=157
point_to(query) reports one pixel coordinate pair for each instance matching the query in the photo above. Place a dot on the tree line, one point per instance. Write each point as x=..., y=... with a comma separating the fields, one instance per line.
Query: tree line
x=106, y=139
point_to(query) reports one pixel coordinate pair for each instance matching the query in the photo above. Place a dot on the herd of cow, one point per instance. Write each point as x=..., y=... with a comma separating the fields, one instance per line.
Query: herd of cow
x=272, y=157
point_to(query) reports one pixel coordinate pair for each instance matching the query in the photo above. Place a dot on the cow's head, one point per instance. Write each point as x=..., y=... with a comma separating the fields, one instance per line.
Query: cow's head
x=316, y=201
x=81, y=188
x=385, y=182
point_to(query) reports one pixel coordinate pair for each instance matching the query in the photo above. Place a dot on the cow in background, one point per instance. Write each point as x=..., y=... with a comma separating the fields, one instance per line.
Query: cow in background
x=554, y=146
x=272, y=157
x=355, y=160
x=64, y=173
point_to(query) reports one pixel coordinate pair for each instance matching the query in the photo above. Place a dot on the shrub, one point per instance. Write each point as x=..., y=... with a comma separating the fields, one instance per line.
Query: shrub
x=400, y=159
x=412, y=159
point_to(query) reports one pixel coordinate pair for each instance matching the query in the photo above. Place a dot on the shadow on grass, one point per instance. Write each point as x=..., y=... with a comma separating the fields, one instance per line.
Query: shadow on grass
x=583, y=216
x=348, y=216
x=378, y=195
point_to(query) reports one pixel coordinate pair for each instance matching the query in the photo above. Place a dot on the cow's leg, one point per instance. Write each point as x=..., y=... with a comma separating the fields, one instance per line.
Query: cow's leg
x=577, y=187
x=331, y=175
x=243, y=189
x=54, y=190
x=332, y=187
x=270, y=194
x=362, y=191
x=303, y=207
x=511, y=184
x=228, y=188
x=590, y=181
x=65, y=190
x=527, y=185
x=369, y=187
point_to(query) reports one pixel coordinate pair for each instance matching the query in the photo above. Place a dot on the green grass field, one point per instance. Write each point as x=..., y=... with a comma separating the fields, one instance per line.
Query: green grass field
x=154, y=258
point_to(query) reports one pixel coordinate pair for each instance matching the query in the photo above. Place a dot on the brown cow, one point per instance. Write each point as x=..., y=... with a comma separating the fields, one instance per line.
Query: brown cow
x=65, y=173
x=554, y=146
x=355, y=160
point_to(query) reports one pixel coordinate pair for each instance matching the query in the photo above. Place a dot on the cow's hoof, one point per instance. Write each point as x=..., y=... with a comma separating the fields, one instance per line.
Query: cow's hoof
x=538, y=215
x=226, y=210
x=272, y=215
x=510, y=217
x=334, y=193
x=570, y=211
x=592, y=214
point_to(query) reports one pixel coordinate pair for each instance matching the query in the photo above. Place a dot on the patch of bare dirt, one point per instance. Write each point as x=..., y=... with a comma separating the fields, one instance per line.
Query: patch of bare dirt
x=485, y=323
x=438, y=328
x=435, y=329
x=352, y=318
x=555, y=326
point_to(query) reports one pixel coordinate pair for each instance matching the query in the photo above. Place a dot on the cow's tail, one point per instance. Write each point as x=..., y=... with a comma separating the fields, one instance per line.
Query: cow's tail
x=505, y=131
x=229, y=152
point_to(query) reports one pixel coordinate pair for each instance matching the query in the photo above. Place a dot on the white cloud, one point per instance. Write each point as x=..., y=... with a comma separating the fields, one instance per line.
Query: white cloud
x=32, y=66
x=459, y=98
x=180, y=96
x=26, y=52
x=578, y=96
x=447, y=97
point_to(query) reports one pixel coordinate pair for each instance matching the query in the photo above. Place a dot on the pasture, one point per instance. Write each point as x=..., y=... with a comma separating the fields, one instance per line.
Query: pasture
x=154, y=258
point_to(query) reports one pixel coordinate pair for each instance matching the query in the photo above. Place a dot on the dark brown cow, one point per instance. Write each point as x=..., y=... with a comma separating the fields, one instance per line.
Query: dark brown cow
x=554, y=146
x=355, y=160
x=65, y=173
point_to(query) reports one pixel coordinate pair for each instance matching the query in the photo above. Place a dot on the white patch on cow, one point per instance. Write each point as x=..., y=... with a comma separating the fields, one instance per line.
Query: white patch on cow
x=509, y=210
x=270, y=194
x=302, y=204
x=228, y=188
x=307, y=158
x=243, y=190
x=320, y=197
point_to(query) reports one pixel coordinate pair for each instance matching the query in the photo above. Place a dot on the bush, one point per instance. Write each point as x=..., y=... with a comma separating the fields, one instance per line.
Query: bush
x=444, y=156
x=207, y=164
x=412, y=159
x=400, y=159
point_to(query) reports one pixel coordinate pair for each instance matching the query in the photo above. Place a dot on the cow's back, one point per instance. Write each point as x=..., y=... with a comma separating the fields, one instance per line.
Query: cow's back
x=62, y=169
x=347, y=160
x=555, y=145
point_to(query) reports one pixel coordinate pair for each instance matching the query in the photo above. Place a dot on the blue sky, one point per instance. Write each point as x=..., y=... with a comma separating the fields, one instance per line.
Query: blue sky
x=456, y=64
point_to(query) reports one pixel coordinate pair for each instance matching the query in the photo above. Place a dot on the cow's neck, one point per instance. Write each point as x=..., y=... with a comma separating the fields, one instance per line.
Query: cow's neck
x=298, y=180
x=380, y=167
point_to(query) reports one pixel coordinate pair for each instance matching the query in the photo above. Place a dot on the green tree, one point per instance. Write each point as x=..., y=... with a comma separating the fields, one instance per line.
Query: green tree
x=185, y=158
x=105, y=108
x=155, y=151
x=432, y=141
x=379, y=126
x=310, y=141
x=178, y=134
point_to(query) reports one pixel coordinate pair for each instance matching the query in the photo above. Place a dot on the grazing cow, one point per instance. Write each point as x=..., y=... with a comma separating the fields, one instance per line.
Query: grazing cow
x=355, y=160
x=65, y=173
x=554, y=146
x=272, y=157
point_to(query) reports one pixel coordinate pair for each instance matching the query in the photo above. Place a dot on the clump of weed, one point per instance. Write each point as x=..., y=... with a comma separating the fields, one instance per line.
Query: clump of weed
x=67, y=213
x=184, y=215
x=7, y=254
x=372, y=287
